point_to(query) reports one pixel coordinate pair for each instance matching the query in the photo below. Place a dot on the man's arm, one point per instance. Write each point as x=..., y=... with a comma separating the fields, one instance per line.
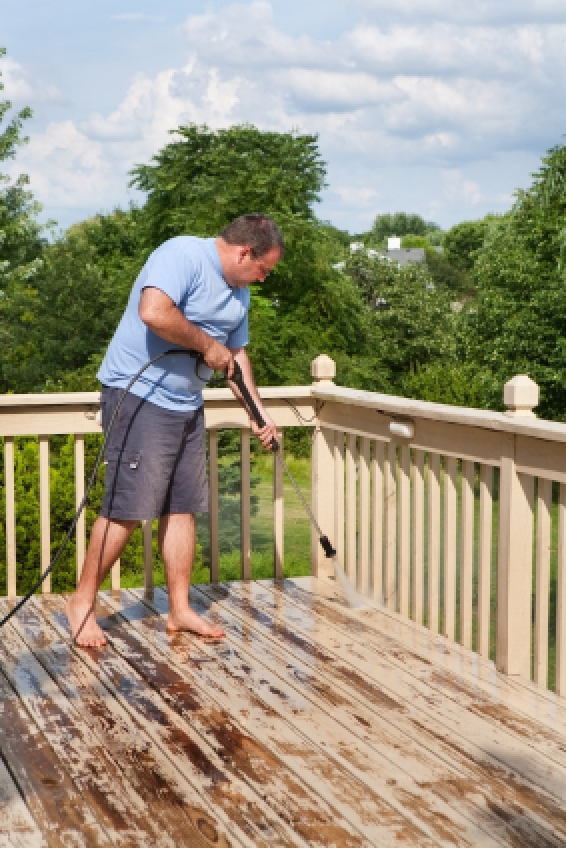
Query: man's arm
x=165, y=319
x=269, y=432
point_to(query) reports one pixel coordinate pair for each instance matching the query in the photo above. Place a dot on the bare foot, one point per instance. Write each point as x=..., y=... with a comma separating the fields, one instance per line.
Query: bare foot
x=84, y=628
x=189, y=620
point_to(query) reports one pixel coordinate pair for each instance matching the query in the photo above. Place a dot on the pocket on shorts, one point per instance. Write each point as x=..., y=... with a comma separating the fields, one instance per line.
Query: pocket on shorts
x=126, y=458
x=125, y=489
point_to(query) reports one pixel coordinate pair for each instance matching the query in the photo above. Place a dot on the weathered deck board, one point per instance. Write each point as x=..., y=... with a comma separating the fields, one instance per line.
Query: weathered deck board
x=381, y=759
x=310, y=725
x=515, y=730
x=17, y=827
x=212, y=713
x=264, y=701
x=462, y=786
x=56, y=805
x=171, y=800
x=121, y=811
x=542, y=705
x=242, y=811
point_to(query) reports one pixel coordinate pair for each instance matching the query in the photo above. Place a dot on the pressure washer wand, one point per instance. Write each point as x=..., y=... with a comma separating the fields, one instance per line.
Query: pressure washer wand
x=238, y=379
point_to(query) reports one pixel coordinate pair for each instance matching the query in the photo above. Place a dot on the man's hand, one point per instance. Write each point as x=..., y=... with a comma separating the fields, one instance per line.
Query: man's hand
x=219, y=357
x=265, y=434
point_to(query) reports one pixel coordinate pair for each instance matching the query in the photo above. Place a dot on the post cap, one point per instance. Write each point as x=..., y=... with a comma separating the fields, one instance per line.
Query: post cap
x=323, y=369
x=520, y=396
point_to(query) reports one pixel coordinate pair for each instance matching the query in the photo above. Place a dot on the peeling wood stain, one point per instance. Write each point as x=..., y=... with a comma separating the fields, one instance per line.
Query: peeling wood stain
x=240, y=752
x=72, y=784
x=347, y=674
x=496, y=782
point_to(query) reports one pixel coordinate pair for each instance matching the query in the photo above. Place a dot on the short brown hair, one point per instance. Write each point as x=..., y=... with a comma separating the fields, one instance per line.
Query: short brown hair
x=258, y=232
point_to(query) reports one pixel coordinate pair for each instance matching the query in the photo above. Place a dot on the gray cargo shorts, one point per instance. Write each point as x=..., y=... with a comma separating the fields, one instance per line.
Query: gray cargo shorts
x=155, y=459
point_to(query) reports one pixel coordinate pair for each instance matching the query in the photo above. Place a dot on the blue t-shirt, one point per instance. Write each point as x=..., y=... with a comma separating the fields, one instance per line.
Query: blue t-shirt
x=188, y=269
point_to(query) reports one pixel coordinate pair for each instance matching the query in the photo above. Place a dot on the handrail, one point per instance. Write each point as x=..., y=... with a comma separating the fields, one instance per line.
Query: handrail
x=408, y=407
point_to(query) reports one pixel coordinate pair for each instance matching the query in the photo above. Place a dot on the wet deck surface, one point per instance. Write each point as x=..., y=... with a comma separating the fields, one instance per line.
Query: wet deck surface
x=309, y=725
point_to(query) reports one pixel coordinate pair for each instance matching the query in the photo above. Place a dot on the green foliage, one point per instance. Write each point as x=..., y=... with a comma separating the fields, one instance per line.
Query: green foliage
x=444, y=273
x=400, y=224
x=453, y=383
x=206, y=178
x=417, y=326
x=11, y=136
x=442, y=270
x=520, y=322
x=61, y=320
x=21, y=243
x=463, y=241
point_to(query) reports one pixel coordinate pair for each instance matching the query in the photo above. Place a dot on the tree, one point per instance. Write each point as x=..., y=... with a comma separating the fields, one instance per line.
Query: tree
x=412, y=323
x=400, y=224
x=520, y=322
x=61, y=321
x=21, y=242
x=204, y=179
x=463, y=240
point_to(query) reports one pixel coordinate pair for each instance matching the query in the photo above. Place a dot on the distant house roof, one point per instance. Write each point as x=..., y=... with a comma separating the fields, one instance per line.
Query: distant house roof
x=405, y=255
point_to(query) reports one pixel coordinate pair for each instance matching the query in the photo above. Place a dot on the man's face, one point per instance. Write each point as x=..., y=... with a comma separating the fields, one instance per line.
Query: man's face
x=246, y=268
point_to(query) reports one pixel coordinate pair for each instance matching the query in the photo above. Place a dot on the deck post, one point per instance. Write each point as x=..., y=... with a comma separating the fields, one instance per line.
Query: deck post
x=323, y=370
x=514, y=567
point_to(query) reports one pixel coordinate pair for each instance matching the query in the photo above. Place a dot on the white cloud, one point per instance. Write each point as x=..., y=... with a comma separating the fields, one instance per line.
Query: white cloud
x=357, y=196
x=457, y=187
x=22, y=87
x=494, y=12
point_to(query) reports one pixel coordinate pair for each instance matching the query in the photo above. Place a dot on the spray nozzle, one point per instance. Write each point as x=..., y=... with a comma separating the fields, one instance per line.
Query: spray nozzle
x=327, y=547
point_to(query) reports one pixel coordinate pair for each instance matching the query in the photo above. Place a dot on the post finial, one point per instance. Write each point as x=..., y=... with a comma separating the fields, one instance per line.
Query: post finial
x=323, y=369
x=520, y=396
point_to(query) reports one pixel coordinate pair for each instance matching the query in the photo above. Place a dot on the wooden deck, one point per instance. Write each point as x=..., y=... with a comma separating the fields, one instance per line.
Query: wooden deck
x=309, y=725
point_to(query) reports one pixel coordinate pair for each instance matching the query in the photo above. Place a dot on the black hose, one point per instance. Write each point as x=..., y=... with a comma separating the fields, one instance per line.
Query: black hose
x=92, y=480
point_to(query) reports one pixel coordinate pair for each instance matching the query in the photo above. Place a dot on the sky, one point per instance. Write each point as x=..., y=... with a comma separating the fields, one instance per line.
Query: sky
x=433, y=107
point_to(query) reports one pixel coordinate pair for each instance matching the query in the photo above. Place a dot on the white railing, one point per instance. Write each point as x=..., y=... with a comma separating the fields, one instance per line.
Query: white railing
x=435, y=511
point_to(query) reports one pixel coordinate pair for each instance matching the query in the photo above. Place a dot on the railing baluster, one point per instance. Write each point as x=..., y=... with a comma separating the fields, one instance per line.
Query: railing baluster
x=544, y=508
x=245, y=506
x=9, y=482
x=79, y=495
x=484, y=565
x=364, y=511
x=467, y=553
x=418, y=535
x=213, y=503
x=404, y=528
x=515, y=565
x=350, y=564
x=377, y=469
x=115, y=576
x=147, y=536
x=390, y=525
x=561, y=596
x=450, y=501
x=339, y=459
x=44, y=510
x=278, y=515
x=433, y=540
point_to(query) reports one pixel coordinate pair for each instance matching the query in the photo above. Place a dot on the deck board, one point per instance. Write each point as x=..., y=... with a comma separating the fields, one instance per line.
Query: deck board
x=310, y=725
x=392, y=720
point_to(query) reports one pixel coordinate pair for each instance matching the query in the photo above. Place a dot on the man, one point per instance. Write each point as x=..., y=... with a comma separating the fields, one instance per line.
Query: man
x=192, y=293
